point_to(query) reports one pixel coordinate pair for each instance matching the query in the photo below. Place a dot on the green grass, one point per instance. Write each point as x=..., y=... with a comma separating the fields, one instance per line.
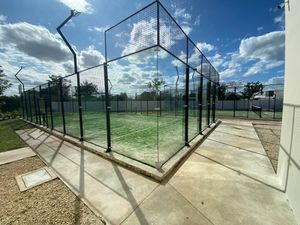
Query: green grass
x=9, y=139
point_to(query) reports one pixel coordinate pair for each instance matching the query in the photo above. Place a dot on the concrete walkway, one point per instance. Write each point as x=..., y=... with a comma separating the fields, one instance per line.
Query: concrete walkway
x=16, y=154
x=227, y=180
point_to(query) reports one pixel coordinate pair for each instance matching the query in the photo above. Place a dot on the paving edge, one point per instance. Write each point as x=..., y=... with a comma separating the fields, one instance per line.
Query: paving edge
x=159, y=175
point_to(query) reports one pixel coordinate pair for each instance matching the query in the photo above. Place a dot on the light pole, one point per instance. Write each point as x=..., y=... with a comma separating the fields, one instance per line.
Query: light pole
x=74, y=13
x=23, y=87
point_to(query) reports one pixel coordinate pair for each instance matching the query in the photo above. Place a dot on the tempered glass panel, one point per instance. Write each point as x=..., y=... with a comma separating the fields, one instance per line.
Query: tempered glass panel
x=70, y=99
x=170, y=116
x=134, y=127
x=204, y=103
x=194, y=83
x=93, y=103
x=44, y=105
x=56, y=106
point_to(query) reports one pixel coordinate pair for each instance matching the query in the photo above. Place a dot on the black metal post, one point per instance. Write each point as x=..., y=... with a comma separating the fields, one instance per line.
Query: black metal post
x=30, y=107
x=214, y=103
x=234, y=102
x=186, y=107
x=200, y=96
x=208, y=102
x=160, y=103
x=274, y=107
x=157, y=23
x=38, y=105
x=108, y=107
x=62, y=104
x=50, y=105
x=23, y=88
x=35, y=106
x=147, y=105
x=73, y=13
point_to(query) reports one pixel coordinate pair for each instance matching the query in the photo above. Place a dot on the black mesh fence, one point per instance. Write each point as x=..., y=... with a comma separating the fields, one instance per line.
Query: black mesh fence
x=240, y=101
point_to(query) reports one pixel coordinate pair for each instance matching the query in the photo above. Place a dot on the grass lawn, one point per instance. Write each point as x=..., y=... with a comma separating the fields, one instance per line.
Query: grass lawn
x=8, y=138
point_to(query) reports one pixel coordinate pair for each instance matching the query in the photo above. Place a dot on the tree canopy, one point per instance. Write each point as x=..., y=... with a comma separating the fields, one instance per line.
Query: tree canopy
x=4, y=83
x=252, y=87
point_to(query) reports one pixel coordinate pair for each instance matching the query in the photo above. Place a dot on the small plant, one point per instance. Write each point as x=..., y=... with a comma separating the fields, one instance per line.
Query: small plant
x=14, y=114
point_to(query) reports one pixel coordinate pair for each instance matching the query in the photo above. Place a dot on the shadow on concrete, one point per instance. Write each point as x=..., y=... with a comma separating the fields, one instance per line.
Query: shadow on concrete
x=237, y=147
x=240, y=172
x=134, y=204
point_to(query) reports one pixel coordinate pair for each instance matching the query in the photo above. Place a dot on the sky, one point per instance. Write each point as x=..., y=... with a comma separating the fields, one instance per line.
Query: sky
x=244, y=40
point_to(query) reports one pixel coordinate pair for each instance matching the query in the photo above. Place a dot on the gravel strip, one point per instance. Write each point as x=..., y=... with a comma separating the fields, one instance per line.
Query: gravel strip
x=269, y=135
x=49, y=203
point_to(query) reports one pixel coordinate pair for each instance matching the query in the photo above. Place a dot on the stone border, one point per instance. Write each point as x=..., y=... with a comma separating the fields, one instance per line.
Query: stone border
x=22, y=185
x=156, y=174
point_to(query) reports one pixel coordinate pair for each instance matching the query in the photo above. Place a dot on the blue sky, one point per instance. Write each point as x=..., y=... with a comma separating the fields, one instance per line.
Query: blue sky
x=244, y=40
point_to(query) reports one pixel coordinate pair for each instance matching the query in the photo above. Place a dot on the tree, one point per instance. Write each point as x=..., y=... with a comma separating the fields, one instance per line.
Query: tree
x=252, y=87
x=66, y=85
x=222, y=92
x=4, y=83
x=88, y=89
x=156, y=84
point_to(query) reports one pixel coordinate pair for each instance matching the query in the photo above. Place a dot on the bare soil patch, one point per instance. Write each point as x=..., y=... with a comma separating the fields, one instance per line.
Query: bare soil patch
x=269, y=135
x=49, y=203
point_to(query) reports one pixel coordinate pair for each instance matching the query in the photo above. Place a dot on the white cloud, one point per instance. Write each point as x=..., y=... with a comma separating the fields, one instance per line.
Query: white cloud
x=182, y=14
x=279, y=19
x=34, y=41
x=254, y=69
x=217, y=60
x=187, y=29
x=79, y=5
x=98, y=29
x=197, y=21
x=41, y=52
x=267, y=50
x=260, y=28
x=269, y=46
x=2, y=18
x=205, y=47
x=90, y=57
x=229, y=72
x=276, y=80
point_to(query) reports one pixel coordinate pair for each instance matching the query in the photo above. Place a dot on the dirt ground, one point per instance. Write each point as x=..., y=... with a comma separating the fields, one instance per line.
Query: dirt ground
x=49, y=203
x=269, y=135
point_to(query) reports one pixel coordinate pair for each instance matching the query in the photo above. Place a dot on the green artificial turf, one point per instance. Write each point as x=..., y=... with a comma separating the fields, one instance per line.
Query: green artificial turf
x=147, y=138
x=8, y=138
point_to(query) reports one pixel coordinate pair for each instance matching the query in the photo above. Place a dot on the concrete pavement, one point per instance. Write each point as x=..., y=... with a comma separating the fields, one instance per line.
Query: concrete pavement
x=227, y=180
x=16, y=154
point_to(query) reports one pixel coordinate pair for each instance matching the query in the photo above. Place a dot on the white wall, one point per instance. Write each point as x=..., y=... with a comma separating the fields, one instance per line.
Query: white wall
x=289, y=155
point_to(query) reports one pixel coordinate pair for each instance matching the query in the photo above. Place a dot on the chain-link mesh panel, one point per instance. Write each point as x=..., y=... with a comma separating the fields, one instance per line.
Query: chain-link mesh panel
x=239, y=101
x=92, y=90
x=171, y=36
x=194, y=56
x=206, y=68
x=133, y=34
